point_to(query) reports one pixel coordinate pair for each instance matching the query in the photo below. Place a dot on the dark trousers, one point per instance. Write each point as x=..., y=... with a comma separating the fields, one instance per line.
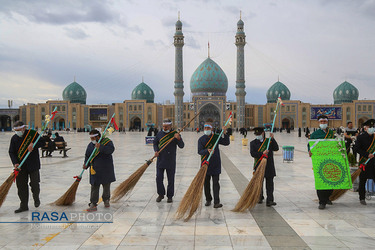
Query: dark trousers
x=324, y=195
x=159, y=181
x=269, y=189
x=94, y=198
x=23, y=189
x=215, y=187
x=51, y=147
x=361, y=187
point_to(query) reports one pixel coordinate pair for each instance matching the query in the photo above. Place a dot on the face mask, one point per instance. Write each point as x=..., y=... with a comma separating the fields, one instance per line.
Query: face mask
x=166, y=131
x=94, y=142
x=370, y=131
x=207, y=132
x=259, y=137
x=323, y=126
x=19, y=133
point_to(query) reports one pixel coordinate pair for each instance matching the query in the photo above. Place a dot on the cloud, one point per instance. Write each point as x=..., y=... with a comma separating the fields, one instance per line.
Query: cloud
x=76, y=33
x=155, y=43
x=192, y=43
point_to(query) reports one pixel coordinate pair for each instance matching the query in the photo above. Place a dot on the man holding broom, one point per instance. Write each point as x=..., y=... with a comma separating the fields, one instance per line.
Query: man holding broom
x=205, y=144
x=101, y=169
x=258, y=148
x=166, y=159
x=322, y=133
x=20, y=143
x=365, y=146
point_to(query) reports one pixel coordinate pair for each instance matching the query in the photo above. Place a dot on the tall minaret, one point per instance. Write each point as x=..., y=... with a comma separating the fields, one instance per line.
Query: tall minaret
x=179, y=79
x=240, y=79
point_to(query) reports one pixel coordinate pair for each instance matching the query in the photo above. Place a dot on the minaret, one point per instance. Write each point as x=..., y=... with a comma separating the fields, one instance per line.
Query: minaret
x=179, y=79
x=240, y=79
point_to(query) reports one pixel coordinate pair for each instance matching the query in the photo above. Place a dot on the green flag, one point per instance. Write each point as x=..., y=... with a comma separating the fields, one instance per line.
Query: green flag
x=330, y=164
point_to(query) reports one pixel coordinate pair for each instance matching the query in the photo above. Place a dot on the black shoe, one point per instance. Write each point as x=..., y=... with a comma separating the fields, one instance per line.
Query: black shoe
x=21, y=209
x=260, y=201
x=208, y=203
x=363, y=202
x=270, y=203
x=218, y=205
x=160, y=197
x=170, y=200
x=322, y=206
x=329, y=202
x=37, y=203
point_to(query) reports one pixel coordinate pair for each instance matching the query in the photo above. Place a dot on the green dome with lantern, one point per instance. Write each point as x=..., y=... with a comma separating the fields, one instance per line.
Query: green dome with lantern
x=276, y=89
x=143, y=92
x=345, y=92
x=75, y=93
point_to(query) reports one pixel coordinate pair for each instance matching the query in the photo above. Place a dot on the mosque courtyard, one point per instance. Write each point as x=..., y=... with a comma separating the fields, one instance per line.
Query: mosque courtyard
x=141, y=223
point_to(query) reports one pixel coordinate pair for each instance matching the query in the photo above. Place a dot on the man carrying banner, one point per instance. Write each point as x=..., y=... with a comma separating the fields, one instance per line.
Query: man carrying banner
x=205, y=144
x=101, y=168
x=166, y=159
x=322, y=133
x=365, y=146
x=258, y=147
x=20, y=143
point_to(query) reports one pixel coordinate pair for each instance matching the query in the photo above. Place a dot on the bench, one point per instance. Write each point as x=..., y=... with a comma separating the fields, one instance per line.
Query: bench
x=59, y=146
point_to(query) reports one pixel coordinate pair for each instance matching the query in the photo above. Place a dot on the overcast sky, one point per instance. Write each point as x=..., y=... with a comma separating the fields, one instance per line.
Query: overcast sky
x=311, y=45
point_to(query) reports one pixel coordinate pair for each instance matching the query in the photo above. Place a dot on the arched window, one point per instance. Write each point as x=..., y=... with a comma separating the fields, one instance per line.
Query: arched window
x=303, y=109
x=130, y=108
x=63, y=108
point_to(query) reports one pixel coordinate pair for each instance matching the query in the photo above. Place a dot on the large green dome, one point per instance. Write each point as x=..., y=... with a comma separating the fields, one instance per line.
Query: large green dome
x=75, y=93
x=345, y=92
x=209, y=79
x=276, y=89
x=143, y=92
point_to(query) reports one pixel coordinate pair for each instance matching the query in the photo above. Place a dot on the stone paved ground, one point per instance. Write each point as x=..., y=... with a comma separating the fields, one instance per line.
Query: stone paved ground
x=141, y=223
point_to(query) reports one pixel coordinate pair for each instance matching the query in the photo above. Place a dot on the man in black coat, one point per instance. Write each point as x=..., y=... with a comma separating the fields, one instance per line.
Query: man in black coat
x=21, y=143
x=258, y=147
x=365, y=146
x=51, y=144
x=205, y=144
x=166, y=159
x=101, y=169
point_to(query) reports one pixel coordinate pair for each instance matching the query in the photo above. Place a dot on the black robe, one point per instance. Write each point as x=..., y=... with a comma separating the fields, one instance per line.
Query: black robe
x=167, y=158
x=270, y=167
x=362, y=144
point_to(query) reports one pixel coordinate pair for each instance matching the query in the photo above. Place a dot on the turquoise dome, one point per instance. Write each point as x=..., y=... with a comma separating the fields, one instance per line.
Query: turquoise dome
x=276, y=89
x=209, y=79
x=345, y=92
x=75, y=93
x=143, y=92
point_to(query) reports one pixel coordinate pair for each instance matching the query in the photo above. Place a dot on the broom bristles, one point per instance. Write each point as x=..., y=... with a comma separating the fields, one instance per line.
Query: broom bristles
x=193, y=196
x=5, y=187
x=69, y=197
x=337, y=193
x=250, y=196
x=126, y=186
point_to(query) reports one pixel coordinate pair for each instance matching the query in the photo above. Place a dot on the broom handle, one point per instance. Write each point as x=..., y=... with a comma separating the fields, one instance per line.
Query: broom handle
x=369, y=159
x=94, y=151
x=170, y=140
x=222, y=131
x=274, y=119
x=36, y=141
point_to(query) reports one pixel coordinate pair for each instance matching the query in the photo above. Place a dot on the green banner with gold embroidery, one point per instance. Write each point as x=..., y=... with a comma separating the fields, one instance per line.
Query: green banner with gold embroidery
x=330, y=164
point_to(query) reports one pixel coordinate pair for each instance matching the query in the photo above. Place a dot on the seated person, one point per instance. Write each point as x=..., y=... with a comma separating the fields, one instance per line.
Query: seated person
x=58, y=138
x=50, y=145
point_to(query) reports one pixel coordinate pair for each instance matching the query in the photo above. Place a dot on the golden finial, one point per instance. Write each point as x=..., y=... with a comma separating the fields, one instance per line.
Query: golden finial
x=74, y=78
x=240, y=14
x=278, y=78
x=208, y=49
x=142, y=79
x=178, y=15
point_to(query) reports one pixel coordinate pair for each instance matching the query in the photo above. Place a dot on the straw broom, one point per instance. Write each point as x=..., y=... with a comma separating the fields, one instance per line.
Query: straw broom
x=193, y=196
x=69, y=196
x=250, y=196
x=5, y=187
x=126, y=186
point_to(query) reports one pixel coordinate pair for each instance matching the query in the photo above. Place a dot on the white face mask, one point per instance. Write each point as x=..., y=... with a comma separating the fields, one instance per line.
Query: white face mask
x=323, y=126
x=207, y=132
x=371, y=131
x=259, y=137
x=166, y=131
x=94, y=142
x=19, y=133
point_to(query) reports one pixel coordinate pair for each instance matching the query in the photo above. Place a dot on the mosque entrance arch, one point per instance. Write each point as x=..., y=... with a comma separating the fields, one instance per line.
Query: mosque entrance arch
x=209, y=112
x=59, y=123
x=5, y=123
x=135, y=123
x=287, y=123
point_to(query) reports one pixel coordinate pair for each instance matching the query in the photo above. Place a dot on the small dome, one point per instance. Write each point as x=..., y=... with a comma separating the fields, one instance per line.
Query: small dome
x=345, y=92
x=240, y=22
x=179, y=23
x=143, y=92
x=74, y=93
x=276, y=89
x=209, y=78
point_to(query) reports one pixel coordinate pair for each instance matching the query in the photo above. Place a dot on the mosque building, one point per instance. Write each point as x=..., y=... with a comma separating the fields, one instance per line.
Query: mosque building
x=208, y=86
